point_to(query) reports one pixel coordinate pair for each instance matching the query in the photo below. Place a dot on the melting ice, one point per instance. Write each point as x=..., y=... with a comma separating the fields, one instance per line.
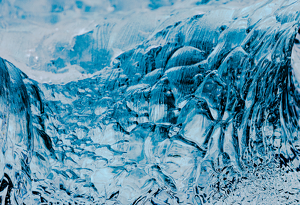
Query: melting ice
x=203, y=109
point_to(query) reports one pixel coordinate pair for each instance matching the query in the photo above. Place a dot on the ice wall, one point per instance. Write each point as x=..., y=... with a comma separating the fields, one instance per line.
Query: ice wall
x=16, y=135
x=202, y=112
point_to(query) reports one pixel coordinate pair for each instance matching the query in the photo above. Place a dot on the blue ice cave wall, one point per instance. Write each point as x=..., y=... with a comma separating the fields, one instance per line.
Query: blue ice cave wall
x=186, y=117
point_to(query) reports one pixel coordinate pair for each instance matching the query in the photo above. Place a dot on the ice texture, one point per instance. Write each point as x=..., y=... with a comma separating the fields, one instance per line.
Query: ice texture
x=202, y=111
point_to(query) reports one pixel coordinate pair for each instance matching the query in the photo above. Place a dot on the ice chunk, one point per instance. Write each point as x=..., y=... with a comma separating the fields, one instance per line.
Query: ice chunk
x=185, y=56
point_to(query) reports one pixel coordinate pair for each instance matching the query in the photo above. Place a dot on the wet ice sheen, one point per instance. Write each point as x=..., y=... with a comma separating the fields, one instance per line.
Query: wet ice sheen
x=203, y=112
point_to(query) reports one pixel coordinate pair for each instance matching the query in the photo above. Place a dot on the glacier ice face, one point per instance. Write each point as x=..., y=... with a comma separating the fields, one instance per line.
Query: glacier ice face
x=203, y=111
x=16, y=134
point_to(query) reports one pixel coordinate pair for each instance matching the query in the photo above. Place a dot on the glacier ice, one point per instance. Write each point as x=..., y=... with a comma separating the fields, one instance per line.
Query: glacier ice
x=203, y=110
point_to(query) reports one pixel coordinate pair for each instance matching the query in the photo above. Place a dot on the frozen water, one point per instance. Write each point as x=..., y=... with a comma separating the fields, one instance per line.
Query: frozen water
x=54, y=37
x=199, y=108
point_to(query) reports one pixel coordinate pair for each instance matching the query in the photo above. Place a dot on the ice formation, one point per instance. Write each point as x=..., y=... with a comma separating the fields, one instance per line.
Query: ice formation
x=203, y=111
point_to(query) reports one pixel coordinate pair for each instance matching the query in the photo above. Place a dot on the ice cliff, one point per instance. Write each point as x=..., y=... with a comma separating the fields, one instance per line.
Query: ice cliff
x=204, y=111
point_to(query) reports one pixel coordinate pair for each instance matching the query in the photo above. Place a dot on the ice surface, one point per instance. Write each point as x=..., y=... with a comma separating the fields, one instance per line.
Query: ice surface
x=200, y=109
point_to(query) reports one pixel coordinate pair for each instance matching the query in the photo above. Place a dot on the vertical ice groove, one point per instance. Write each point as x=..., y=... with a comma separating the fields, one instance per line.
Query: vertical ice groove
x=204, y=110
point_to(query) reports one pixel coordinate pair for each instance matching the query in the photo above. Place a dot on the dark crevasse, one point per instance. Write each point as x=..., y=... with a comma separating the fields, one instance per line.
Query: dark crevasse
x=203, y=112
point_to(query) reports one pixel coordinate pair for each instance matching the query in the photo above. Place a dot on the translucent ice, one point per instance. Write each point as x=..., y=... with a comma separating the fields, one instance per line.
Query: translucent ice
x=203, y=110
